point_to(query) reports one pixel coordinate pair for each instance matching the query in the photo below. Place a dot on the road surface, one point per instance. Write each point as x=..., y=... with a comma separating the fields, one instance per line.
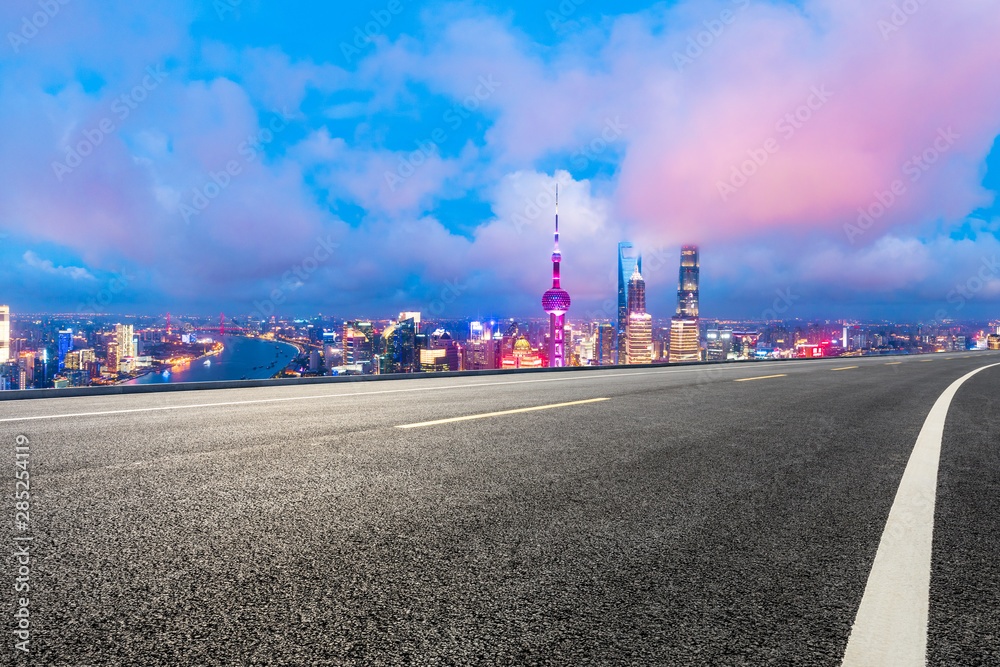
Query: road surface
x=716, y=515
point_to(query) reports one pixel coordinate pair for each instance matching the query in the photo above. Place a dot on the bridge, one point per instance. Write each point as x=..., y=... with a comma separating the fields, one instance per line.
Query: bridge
x=820, y=512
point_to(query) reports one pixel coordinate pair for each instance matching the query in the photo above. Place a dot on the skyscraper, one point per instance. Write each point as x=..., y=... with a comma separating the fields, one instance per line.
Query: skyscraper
x=606, y=340
x=65, y=346
x=687, y=287
x=556, y=302
x=360, y=342
x=399, y=347
x=639, y=339
x=112, y=359
x=4, y=334
x=125, y=337
x=628, y=261
x=480, y=352
x=685, y=343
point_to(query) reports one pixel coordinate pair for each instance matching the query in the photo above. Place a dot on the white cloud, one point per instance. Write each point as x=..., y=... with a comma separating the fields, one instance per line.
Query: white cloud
x=46, y=265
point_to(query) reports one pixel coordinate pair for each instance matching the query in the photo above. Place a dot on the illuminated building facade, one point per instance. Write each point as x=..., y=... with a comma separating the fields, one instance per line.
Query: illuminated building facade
x=718, y=344
x=480, y=352
x=523, y=356
x=745, y=344
x=125, y=337
x=112, y=358
x=685, y=341
x=556, y=302
x=26, y=364
x=399, y=347
x=78, y=359
x=605, y=344
x=65, y=346
x=4, y=334
x=639, y=335
x=360, y=343
x=687, y=288
x=441, y=354
x=628, y=261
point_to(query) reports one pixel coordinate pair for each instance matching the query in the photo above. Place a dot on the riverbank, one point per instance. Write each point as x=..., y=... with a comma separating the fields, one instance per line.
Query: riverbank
x=236, y=358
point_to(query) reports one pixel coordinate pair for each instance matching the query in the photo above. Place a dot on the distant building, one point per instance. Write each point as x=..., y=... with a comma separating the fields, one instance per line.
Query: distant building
x=65, y=346
x=4, y=334
x=315, y=362
x=112, y=359
x=605, y=344
x=26, y=365
x=480, y=351
x=685, y=343
x=441, y=353
x=685, y=340
x=993, y=341
x=399, y=347
x=125, y=337
x=718, y=344
x=523, y=356
x=745, y=344
x=556, y=302
x=78, y=359
x=639, y=338
x=411, y=315
x=687, y=289
x=628, y=261
x=360, y=342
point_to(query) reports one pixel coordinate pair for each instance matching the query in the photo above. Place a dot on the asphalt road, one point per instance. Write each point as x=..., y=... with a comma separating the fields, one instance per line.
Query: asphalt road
x=688, y=519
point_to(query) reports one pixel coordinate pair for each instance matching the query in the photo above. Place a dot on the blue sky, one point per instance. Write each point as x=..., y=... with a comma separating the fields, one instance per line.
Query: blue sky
x=834, y=151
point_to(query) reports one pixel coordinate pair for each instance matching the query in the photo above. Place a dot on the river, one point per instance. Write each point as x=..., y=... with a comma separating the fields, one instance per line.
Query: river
x=250, y=357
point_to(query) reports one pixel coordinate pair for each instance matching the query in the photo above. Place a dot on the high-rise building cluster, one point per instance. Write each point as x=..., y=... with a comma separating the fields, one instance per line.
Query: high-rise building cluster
x=45, y=351
x=636, y=341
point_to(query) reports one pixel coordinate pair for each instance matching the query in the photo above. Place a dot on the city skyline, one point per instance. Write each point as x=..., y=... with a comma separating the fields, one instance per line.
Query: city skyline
x=238, y=167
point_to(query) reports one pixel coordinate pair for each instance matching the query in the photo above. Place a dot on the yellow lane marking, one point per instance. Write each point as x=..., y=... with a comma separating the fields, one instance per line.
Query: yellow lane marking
x=845, y=368
x=766, y=377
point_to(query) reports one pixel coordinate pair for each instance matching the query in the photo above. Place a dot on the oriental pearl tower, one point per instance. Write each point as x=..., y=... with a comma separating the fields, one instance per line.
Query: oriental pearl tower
x=556, y=303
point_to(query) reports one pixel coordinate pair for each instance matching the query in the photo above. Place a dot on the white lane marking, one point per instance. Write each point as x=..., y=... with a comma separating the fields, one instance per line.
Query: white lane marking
x=502, y=412
x=891, y=625
x=586, y=376
x=583, y=376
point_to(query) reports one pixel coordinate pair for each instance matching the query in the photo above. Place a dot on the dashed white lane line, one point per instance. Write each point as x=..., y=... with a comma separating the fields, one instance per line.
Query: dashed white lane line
x=502, y=412
x=891, y=625
x=665, y=371
x=563, y=378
